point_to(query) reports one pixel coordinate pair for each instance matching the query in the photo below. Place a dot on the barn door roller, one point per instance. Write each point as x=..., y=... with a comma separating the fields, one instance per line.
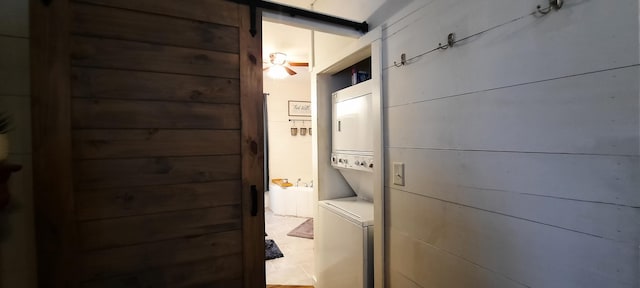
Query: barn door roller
x=293, y=12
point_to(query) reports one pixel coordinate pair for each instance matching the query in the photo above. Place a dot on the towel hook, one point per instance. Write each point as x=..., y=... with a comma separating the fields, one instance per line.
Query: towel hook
x=403, y=60
x=553, y=4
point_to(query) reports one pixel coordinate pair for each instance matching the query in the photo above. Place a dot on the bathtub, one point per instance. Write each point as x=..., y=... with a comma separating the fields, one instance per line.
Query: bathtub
x=291, y=201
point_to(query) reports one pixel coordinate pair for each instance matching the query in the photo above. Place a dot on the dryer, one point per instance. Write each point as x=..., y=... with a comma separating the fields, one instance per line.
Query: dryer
x=345, y=225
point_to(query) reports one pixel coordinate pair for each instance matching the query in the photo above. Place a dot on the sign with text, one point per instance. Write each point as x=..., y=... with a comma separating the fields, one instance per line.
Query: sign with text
x=299, y=108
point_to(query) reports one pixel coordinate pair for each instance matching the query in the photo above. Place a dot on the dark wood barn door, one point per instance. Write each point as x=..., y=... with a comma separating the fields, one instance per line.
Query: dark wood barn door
x=147, y=120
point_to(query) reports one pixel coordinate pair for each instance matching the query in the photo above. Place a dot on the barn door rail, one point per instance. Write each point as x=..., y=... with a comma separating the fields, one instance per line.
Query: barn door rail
x=293, y=12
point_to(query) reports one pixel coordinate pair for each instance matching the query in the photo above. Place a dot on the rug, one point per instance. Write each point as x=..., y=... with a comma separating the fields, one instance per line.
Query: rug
x=271, y=250
x=304, y=230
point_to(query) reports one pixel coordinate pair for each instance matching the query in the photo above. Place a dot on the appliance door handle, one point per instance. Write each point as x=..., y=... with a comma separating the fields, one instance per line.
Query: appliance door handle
x=254, y=200
x=339, y=126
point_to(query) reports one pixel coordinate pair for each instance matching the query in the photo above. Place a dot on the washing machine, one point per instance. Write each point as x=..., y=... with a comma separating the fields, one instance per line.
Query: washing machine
x=345, y=243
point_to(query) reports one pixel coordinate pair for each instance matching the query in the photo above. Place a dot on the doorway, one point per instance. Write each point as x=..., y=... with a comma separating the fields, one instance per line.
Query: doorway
x=290, y=140
x=288, y=199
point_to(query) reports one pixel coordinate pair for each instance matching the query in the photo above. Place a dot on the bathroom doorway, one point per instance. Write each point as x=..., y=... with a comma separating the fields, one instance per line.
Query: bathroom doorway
x=290, y=140
x=288, y=155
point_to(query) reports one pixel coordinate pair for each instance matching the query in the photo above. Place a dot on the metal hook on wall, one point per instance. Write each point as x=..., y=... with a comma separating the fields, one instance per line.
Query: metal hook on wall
x=451, y=40
x=298, y=120
x=403, y=60
x=553, y=4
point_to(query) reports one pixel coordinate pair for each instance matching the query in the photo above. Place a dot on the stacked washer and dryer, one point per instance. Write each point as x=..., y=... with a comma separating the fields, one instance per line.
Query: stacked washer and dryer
x=346, y=224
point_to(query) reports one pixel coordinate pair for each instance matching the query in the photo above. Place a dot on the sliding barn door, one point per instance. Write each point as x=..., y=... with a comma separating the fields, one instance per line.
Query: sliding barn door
x=147, y=120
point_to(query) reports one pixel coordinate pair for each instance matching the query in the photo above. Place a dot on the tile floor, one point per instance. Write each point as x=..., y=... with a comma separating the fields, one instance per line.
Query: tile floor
x=296, y=267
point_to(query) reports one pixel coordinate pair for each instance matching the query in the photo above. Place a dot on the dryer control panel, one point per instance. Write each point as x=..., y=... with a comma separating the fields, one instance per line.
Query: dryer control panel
x=352, y=161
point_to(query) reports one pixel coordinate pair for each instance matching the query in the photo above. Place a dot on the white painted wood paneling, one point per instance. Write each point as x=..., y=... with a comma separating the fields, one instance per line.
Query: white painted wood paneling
x=536, y=187
x=531, y=253
x=581, y=37
x=521, y=145
x=397, y=279
x=592, y=114
x=435, y=267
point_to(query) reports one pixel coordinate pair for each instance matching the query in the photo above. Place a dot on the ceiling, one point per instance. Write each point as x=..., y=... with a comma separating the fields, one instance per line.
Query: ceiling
x=296, y=42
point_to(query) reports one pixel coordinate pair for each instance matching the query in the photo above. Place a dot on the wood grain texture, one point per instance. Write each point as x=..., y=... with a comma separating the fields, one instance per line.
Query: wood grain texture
x=92, y=20
x=150, y=127
x=212, y=11
x=131, y=259
x=52, y=173
x=126, y=143
x=225, y=271
x=143, y=114
x=128, y=55
x=119, y=232
x=252, y=105
x=135, y=85
x=121, y=173
x=113, y=203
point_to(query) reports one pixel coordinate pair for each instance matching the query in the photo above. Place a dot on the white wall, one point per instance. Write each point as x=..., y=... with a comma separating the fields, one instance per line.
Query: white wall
x=521, y=145
x=289, y=156
x=17, y=244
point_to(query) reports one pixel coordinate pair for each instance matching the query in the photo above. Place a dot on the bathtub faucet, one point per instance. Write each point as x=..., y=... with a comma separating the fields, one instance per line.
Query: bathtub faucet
x=298, y=182
x=311, y=183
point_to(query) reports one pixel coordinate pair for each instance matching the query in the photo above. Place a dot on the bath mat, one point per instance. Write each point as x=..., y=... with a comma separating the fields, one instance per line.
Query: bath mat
x=271, y=250
x=304, y=230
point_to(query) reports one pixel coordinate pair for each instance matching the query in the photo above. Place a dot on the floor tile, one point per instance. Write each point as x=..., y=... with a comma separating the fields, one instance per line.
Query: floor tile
x=296, y=267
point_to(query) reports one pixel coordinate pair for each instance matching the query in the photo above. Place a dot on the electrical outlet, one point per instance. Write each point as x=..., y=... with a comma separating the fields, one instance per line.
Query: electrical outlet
x=398, y=173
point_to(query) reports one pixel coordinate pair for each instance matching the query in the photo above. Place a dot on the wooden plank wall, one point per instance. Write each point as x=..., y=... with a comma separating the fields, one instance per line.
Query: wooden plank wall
x=521, y=146
x=155, y=130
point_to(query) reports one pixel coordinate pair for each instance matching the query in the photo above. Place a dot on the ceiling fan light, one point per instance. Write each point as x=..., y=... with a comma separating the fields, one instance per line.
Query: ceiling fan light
x=278, y=58
x=278, y=72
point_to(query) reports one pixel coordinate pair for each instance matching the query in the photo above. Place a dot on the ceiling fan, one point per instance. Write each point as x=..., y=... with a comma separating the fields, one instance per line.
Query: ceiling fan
x=278, y=61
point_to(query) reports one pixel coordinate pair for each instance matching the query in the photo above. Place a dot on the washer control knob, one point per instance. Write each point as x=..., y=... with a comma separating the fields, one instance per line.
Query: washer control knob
x=357, y=162
x=371, y=165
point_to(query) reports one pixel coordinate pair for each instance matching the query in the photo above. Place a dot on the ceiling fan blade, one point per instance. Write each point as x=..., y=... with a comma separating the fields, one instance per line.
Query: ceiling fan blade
x=290, y=71
x=298, y=64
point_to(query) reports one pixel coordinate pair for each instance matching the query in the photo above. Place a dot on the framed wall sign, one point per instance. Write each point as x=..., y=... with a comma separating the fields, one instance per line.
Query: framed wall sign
x=299, y=108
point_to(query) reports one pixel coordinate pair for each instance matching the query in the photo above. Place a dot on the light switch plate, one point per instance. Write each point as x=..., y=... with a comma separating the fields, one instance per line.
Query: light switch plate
x=398, y=173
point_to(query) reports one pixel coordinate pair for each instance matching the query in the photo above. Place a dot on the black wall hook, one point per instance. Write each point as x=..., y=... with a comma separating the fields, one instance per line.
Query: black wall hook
x=557, y=4
x=403, y=60
x=553, y=4
x=451, y=39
